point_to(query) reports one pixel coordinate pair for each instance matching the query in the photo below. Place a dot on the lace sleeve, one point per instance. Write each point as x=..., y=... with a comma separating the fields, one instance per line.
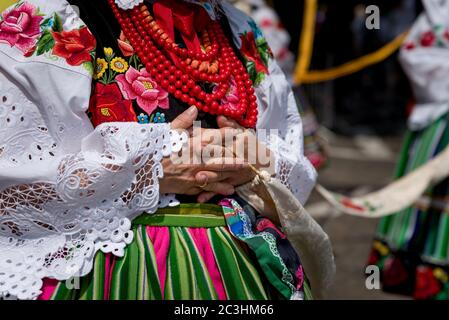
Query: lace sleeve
x=66, y=190
x=58, y=207
x=280, y=117
x=52, y=221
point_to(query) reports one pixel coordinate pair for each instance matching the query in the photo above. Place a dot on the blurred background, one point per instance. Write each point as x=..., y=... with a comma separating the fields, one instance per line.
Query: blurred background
x=354, y=124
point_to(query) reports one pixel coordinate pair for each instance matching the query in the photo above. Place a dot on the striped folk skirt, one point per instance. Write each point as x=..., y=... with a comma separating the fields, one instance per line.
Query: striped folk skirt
x=187, y=253
x=412, y=247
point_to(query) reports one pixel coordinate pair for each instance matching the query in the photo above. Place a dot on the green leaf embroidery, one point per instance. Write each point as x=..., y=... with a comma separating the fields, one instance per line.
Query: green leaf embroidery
x=46, y=23
x=251, y=68
x=259, y=78
x=45, y=43
x=57, y=25
x=89, y=67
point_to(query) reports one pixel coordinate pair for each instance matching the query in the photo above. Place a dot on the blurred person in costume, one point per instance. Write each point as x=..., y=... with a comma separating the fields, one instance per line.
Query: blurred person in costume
x=412, y=246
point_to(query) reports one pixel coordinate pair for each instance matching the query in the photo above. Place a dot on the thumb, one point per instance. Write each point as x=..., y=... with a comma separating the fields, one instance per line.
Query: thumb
x=224, y=122
x=185, y=120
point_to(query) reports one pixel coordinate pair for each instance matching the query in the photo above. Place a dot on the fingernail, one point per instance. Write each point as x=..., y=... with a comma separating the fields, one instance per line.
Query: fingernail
x=202, y=178
x=230, y=192
x=191, y=110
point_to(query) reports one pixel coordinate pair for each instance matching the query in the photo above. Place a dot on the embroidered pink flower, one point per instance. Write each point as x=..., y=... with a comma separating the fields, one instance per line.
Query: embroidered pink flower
x=124, y=45
x=20, y=27
x=139, y=85
x=231, y=99
x=299, y=277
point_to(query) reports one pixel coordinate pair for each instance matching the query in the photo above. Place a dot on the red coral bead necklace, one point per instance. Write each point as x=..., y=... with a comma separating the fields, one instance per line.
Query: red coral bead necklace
x=180, y=71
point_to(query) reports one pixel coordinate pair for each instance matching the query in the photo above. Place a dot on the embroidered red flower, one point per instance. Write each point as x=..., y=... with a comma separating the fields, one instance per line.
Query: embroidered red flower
x=107, y=105
x=250, y=52
x=428, y=39
x=19, y=27
x=75, y=45
x=427, y=286
x=394, y=272
x=124, y=45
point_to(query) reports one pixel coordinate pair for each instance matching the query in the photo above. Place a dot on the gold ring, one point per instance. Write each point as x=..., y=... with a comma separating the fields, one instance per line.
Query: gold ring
x=203, y=185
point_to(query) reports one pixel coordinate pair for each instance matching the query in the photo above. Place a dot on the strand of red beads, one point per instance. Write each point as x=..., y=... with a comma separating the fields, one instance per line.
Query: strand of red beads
x=153, y=47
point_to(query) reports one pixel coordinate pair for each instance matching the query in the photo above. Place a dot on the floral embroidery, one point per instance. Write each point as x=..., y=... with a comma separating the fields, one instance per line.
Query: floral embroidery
x=107, y=105
x=119, y=65
x=75, y=46
x=231, y=99
x=140, y=86
x=106, y=69
x=143, y=118
x=395, y=272
x=100, y=68
x=25, y=28
x=256, y=53
x=427, y=286
x=437, y=37
x=428, y=39
x=124, y=45
x=20, y=26
x=158, y=118
x=108, y=52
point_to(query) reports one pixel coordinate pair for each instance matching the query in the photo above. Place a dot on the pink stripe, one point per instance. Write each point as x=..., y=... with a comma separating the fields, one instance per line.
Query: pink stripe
x=160, y=237
x=108, y=270
x=204, y=247
x=48, y=288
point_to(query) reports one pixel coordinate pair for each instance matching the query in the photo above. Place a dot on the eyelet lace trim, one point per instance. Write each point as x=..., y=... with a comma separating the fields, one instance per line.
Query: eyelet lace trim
x=128, y=4
x=292, y=168
x=51, y=225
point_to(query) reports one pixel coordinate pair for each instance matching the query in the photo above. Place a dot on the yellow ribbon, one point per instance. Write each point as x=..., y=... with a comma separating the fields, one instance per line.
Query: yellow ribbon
x=307, y=37
x=302, y=73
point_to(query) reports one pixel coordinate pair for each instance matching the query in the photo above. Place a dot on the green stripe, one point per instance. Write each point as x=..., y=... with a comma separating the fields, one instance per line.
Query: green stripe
x=193, y=208
x=86, y=292
x=63, y=293
x=385, y=223
x=430, y=228
x=132, y=260
x=135, y=275
x=240, y=278
x=427, y=148
x=307, y=291
x=119, y=280
x=155, y=292
x=176, y=220
x=99, y=277
x=181, y=272
x=142, y=281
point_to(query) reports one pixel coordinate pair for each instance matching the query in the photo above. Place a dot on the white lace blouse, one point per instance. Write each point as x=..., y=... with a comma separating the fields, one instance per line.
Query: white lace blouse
x=68, y=190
